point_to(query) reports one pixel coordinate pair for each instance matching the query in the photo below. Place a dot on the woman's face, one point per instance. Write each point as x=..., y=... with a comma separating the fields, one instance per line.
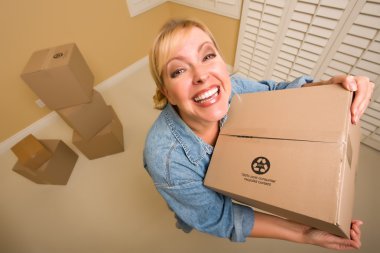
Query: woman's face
x=196, y=79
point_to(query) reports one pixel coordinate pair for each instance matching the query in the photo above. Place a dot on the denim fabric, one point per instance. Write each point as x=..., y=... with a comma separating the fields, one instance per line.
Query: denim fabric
x=177, y=161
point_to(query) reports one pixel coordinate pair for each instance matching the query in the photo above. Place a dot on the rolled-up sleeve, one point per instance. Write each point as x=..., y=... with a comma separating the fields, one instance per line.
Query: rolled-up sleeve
x=244, y=217
x=242, y=84
x=208, y=211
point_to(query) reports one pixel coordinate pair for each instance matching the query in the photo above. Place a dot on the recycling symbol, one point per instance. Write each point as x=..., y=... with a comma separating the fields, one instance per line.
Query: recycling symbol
x=260, y=165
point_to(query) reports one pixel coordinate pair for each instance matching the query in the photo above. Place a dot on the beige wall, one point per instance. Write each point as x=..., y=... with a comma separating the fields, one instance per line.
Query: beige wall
x=108, y=37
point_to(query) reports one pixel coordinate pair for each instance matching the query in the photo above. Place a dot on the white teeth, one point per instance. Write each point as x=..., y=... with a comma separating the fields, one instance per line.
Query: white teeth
x=206, y=95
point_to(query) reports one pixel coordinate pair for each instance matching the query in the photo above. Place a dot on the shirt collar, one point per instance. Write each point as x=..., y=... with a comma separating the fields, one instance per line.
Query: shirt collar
x=194, y=147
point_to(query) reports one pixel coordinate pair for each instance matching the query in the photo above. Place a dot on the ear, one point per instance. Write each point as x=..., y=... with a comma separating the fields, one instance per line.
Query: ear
x=166, y=93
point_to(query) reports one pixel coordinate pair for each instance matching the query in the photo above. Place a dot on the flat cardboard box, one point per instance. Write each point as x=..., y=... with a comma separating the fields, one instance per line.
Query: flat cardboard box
x=89, y=118
x=31, y=152
x=57, y=170
x=108, y=141
x=59, y=76
x=292, y=153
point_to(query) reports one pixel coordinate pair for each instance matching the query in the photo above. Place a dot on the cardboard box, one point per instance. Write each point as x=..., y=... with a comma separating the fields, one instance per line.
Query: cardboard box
x=292, y=153
x=108, y=141
x=89, y=118
x=59, y=76
x=56, y=170
x=31, y=152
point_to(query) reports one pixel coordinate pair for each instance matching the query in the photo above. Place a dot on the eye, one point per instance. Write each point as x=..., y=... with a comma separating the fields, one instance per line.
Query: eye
x=176, y=73
x=209, y=56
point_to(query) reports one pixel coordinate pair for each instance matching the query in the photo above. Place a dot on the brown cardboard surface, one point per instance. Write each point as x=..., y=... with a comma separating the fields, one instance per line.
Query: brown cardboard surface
x=89, y=118
x=303, y=114
x=310, y=150
x=107, y=142
x=28, y=173
x=31, y=152
x=59, y=76
x=56, y=170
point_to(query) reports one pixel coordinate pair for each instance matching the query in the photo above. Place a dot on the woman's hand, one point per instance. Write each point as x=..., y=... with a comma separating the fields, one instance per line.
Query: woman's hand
x=326, y=240
x=269, y=226
x=363, y=89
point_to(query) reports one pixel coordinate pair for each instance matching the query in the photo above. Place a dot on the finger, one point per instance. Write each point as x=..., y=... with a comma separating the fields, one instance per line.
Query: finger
x=355, y=240
x=357, y=223
x=356, y=229
x=348, y=82
x=356, y=226
x=364, y=103
x=362, y=98
x=362, y=107
x=356, y=232
x=359, y=111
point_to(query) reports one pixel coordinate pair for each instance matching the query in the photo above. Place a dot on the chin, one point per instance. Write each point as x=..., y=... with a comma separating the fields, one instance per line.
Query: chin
x=218, y=115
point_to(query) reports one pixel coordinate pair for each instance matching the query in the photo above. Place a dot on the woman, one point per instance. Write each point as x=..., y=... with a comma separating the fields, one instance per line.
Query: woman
x=193, y=90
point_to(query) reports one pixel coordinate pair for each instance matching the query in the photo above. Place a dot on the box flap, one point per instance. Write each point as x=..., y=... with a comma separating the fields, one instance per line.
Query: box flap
x=36, y=61
x=308, y=120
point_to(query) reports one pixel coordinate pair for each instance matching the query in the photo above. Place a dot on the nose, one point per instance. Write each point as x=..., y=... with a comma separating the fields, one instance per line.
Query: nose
x=200, y=74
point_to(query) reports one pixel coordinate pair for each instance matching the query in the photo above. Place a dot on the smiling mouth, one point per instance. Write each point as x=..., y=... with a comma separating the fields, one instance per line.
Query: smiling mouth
x=207, y=96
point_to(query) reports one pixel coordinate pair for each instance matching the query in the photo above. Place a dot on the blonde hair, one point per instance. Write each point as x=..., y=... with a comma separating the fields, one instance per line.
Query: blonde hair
x=166, y=40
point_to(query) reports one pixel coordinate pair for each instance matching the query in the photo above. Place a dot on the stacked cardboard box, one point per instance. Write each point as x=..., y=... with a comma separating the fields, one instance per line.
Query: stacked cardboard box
x=44, y=161
x=59, y=76
x=62, y=79
x=108, y=141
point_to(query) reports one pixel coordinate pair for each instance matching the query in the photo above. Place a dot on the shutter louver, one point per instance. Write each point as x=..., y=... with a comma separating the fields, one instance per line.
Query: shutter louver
x=359, y=54
x=282, y=40
x=262, y=19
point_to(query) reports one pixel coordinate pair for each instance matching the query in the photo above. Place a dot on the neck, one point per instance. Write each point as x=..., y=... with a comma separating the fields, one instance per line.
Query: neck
x=209, y=133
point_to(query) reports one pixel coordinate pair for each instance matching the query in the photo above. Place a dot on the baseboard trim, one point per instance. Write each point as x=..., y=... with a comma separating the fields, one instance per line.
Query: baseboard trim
x=31, y=129
x=52, y=116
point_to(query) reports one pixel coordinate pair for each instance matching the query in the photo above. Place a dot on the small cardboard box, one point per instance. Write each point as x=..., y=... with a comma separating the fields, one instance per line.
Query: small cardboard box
x=31, y=152
x=56, y=170
x=89, y=118
x=292, y=153
x=108, y=141
x=59, y=76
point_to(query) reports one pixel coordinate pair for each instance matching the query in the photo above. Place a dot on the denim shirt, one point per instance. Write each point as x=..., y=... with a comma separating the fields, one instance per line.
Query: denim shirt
x=177, y=161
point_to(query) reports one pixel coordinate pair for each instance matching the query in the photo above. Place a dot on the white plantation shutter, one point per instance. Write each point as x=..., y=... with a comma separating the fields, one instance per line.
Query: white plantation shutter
x=260, y=24
x=282, y=40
